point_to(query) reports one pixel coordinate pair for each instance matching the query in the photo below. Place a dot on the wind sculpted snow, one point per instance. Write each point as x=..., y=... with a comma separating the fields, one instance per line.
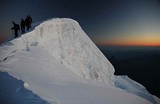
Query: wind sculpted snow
x=58, y=62
x=53, y=82
x=67, y=42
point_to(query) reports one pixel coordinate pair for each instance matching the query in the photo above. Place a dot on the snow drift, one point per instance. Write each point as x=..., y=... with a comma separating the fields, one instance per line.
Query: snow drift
x=67, y=42
x=55, y=59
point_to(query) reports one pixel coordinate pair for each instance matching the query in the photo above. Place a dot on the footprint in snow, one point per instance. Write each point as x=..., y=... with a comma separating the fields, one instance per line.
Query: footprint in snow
x=8, y=59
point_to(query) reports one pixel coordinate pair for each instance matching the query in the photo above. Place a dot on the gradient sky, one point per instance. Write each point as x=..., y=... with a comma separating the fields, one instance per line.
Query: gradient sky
x=106, y=22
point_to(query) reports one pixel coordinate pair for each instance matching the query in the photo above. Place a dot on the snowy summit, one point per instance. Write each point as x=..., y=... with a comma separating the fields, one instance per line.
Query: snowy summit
x=59, y=62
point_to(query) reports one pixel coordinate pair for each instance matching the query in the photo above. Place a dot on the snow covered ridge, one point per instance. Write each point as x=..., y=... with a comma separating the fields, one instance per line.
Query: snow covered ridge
x=55, y=59
x=67, y=42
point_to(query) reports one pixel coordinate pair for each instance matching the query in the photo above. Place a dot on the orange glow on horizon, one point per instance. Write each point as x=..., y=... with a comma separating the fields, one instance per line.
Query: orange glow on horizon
x=128, y=44
x=141, y=41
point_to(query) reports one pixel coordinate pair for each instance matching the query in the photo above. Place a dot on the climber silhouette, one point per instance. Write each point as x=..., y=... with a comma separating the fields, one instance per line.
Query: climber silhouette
x=16, y=28
x=22, y=25
x=28, y=22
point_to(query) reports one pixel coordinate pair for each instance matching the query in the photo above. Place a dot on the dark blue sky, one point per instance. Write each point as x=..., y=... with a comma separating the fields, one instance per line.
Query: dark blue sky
x=105, y=21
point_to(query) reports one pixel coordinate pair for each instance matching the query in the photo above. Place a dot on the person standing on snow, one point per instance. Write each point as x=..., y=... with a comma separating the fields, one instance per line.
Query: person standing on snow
x=22, y=25
x=16, y=28
x=28, y=22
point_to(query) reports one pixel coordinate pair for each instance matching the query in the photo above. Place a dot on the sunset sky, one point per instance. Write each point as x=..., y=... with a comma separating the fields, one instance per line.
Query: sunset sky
x=106, y=22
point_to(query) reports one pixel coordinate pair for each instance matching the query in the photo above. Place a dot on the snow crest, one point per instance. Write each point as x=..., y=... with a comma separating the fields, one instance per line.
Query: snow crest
x=47, y=58
x=65, y=40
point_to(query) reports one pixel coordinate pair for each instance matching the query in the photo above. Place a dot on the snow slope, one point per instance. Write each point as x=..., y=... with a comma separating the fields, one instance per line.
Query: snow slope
x=129, y=85
x=58, y=62
x=67, y=42
x=53, y=82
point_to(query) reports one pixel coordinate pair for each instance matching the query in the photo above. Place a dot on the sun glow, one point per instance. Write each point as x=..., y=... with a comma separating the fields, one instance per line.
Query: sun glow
x=142, y=40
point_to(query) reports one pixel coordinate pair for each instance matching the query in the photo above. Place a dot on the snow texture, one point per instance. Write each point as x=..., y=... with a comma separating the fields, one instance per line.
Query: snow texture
x=129, y=85
x=59, y=63
x=67, y=42
x=53, y=82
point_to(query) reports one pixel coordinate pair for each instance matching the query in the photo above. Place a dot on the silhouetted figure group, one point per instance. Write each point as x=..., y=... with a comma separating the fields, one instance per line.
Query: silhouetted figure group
x=25, y=24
